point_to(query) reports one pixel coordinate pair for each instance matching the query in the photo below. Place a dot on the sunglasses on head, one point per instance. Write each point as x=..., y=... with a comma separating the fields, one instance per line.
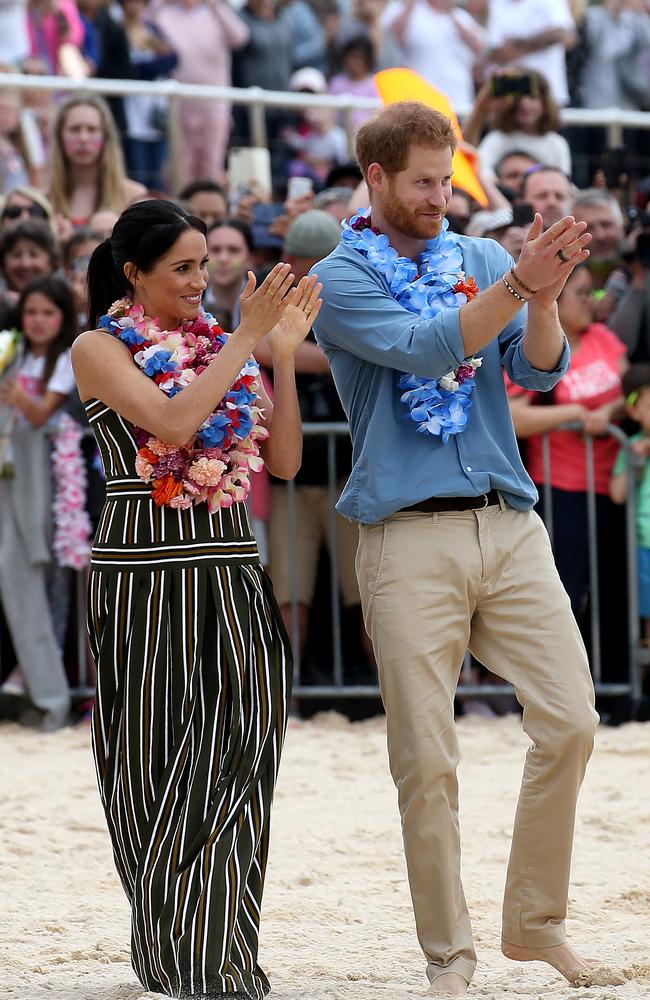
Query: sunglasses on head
x=15, y=212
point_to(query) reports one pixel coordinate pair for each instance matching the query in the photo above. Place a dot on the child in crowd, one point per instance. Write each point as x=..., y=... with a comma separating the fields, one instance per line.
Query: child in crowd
x=317, y=142
x=358, y=75
x=31, y=399
x=636, y=386
x=77, y=251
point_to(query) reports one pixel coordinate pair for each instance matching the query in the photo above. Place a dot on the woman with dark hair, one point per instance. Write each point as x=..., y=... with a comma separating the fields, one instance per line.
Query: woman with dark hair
x=230, y=248
x=32, y=398
x=193, y=662
x=525, y=118
x=357, y=76
x=28, y=250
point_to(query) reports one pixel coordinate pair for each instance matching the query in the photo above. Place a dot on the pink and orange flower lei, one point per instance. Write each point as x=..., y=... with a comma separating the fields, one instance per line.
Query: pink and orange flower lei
x=215, y=465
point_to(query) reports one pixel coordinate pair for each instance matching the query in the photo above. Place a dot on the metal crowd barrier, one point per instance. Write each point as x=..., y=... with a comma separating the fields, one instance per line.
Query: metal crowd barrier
x=257, y=100
x=638, y=656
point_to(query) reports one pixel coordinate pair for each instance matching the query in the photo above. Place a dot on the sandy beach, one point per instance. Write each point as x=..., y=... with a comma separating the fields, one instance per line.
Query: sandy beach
x=337, y=919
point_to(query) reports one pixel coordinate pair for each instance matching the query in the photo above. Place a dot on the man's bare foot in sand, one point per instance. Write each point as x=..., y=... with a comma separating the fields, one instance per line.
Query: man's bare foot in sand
x=562, y=957
x=450, y=985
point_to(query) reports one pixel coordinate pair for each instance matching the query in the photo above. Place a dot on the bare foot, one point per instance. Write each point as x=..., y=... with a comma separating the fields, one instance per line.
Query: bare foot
x=562, y=957
x=450, y=984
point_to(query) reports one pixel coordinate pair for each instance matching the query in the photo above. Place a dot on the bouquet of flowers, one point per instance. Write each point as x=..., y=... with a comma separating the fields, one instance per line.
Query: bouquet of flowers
x=10, y=341
x=10, y=344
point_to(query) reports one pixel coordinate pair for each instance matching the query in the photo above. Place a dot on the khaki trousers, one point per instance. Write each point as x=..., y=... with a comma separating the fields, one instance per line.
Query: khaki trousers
x=432, y=586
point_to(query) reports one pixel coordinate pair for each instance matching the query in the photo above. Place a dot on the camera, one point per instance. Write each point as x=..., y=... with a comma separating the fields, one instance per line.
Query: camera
x=513, y=85
x=640, y=250
x=523, y=214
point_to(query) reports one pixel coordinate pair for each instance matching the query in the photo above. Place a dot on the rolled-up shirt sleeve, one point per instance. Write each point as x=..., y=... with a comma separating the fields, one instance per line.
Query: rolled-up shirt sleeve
x=360, y=316
x=526, y=375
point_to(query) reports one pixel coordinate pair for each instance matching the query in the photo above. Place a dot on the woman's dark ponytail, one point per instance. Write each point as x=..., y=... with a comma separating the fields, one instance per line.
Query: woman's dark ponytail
x=105, y=282
x=143, y=234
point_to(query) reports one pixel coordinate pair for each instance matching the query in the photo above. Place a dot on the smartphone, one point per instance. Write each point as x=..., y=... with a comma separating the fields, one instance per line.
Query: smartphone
x=513, y=85
x=298, y=187
x=642, y=251
x=249, y=165
x=522, y=214
x=265, y=212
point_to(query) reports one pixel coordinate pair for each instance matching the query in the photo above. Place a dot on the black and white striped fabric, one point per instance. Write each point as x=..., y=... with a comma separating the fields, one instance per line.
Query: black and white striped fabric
x=193, y=685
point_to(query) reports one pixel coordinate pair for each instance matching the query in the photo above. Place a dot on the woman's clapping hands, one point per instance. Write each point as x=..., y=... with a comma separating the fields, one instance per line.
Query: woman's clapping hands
x=303, y=306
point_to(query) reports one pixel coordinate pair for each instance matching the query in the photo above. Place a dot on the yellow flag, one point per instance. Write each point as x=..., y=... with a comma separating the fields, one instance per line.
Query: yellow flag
x=406, y=85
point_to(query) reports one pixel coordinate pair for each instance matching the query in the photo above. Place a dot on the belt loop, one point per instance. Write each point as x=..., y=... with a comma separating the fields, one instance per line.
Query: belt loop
x=502, y=504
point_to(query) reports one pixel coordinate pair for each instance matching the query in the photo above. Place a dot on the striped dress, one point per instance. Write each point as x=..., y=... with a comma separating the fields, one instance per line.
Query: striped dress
x=193, y=684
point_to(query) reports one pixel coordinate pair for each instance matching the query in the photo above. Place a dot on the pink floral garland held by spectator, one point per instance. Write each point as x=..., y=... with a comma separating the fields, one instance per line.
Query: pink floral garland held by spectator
x=72, y=529
x=214, y=466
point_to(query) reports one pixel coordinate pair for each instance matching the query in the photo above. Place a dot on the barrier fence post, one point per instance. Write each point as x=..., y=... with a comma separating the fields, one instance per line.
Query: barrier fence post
x=547, y=488
x=293, y=580
x=257, y=122
x=632, y=463
x=175, y=141
x=334, y=561
x=592, y=542
x=349, y=131
x=466, y=689
x=80, y=606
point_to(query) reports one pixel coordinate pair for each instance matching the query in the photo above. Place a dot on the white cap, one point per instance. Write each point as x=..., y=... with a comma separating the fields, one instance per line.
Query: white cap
x=485, y=221
x=308, y=78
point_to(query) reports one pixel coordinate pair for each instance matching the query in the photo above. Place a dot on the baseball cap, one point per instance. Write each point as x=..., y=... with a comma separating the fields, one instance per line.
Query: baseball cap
x=308, y=78
x=485, y=222
x=313, y=234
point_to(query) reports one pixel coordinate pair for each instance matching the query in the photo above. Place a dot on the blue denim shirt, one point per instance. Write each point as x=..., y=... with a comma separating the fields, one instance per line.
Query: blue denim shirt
x=369, y=340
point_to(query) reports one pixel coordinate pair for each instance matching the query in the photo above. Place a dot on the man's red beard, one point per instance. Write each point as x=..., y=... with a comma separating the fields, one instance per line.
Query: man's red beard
x=410, y=223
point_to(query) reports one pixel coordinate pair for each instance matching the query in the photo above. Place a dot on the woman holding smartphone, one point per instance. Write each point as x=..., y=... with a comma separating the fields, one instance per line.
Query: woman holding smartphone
x=521, y=115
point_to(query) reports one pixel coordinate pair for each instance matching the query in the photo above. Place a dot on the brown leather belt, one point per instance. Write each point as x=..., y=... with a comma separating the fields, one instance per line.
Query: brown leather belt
x=442, y=505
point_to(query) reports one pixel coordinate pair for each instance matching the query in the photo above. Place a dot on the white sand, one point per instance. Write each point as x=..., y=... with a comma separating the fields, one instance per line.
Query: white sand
x=337, y=920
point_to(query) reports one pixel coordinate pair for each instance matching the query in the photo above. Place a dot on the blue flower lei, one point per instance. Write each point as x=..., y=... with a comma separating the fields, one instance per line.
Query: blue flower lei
x=234, y=419
x=437, y=406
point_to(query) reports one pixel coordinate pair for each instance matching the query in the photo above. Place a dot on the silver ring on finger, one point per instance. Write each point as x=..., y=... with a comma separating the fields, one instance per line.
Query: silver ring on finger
x=563, y=257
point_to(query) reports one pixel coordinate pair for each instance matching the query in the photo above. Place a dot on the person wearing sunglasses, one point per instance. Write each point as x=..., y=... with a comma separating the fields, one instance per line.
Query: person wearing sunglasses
x=28, y=249
x=23, y=203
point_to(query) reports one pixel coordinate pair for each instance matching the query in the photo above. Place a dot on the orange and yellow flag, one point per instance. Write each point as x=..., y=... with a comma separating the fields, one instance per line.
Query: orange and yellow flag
x=406, y=85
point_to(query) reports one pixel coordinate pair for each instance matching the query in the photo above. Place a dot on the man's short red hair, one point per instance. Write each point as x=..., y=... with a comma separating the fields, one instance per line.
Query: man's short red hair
x=387, y=138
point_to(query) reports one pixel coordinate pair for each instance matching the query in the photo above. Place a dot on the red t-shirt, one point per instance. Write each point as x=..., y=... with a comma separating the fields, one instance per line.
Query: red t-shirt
x=593, y=380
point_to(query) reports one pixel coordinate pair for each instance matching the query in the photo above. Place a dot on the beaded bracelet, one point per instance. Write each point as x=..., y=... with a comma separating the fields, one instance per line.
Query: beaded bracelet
x=514, y=274
x=512, y=290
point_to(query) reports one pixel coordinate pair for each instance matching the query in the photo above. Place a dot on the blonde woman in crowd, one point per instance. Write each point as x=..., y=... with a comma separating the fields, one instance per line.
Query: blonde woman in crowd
x=87, y=167
x=22, y=203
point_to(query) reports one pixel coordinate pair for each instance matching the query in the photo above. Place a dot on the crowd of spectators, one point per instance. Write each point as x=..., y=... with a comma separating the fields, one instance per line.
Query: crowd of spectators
x=70, y=165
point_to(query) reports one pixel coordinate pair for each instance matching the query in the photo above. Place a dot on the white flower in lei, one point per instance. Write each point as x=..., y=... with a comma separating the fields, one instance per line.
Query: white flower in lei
x=437, y=406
